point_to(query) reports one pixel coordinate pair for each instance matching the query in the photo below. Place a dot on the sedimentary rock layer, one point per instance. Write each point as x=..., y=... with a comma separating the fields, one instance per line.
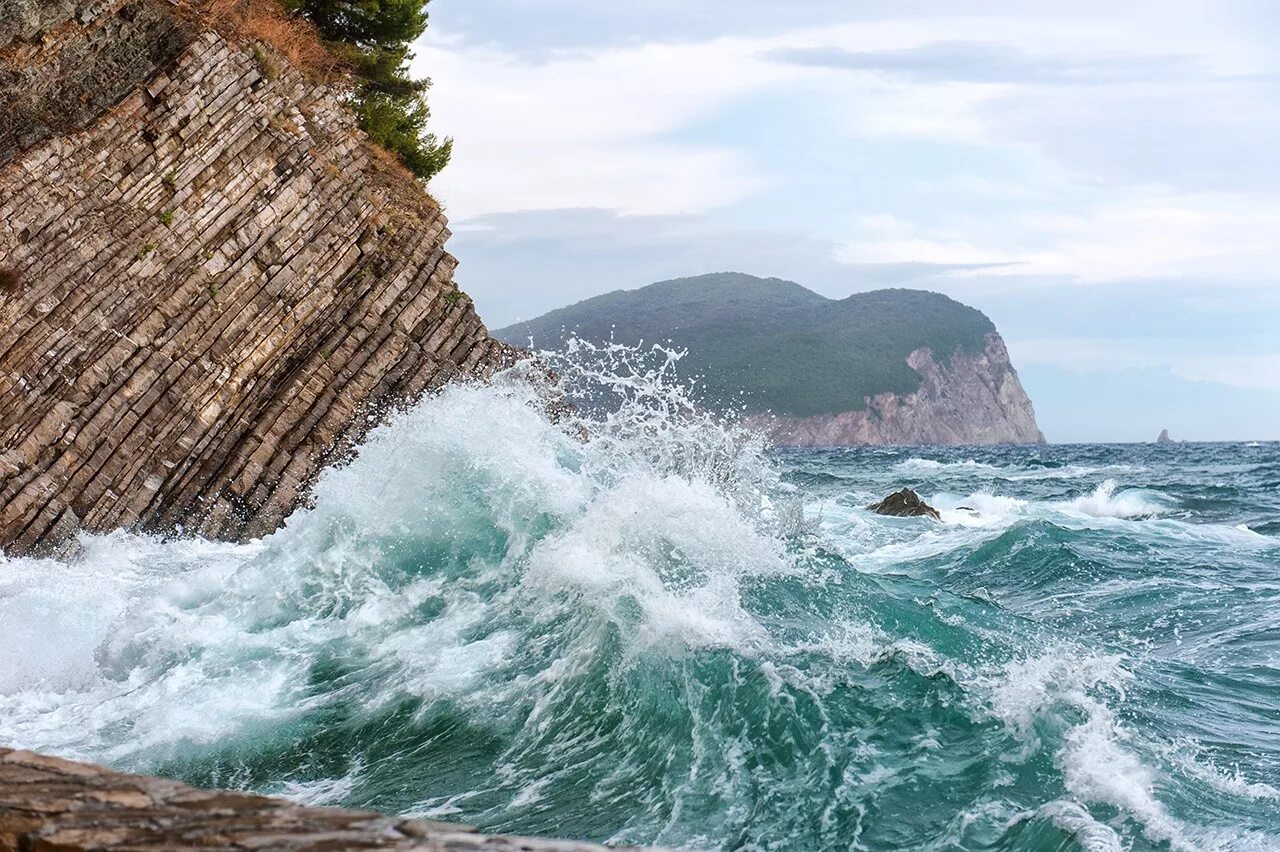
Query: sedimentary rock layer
x=48, y=803
x=210, y=284
x=969, y=399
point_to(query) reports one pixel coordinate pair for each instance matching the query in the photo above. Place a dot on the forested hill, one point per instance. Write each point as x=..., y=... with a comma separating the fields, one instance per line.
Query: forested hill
x=772, y=344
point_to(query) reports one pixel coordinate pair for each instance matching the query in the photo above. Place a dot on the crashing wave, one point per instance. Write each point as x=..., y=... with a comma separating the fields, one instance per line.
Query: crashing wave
x=643, y=638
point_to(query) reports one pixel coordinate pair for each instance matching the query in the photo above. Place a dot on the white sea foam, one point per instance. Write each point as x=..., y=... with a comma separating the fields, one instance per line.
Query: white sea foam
x=476, y=556
x=972, y=467
x=1105, y=502
x=982, y=509
x=1097, y=763
x=322, y=791
x=160, y=646
x=930, y=466
x=1099, y=757
x=1072, y=818
x=1231, y=781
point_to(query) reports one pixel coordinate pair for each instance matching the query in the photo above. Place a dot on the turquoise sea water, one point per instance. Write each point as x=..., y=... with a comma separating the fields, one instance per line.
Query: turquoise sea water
x=671, y=635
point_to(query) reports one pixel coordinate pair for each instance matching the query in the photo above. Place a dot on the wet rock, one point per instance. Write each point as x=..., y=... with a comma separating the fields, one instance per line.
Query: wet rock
x=50, y=803
x=905, y=504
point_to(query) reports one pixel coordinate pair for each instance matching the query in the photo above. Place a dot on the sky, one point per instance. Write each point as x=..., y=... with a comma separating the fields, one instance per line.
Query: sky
x=1102, y=179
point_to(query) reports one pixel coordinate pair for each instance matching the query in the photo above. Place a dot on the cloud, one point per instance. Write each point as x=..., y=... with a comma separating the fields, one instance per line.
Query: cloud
x=1152, y=233
x=889, y=239
x=544, y=28
x=1084, y=171
x=983, y=62
x=590, y=129
x=521, y=265
x=1253, y=371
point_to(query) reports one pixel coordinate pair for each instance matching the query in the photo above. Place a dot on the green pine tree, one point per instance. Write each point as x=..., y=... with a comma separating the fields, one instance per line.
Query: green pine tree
x=374, y=37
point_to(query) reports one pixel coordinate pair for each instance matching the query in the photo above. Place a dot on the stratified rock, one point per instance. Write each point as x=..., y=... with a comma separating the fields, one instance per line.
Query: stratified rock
x=905, y=504
x=211, y=285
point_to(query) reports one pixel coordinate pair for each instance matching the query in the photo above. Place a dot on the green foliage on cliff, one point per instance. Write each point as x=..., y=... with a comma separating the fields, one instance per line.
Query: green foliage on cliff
x=769, y=344
x=374, y=37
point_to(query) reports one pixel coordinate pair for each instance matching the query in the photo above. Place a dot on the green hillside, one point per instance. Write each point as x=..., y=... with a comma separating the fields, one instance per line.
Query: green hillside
x=770, y=343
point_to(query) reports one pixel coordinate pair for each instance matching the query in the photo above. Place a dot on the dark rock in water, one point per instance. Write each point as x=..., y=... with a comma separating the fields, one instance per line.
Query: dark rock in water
x=904, y=504
x=1164, y=437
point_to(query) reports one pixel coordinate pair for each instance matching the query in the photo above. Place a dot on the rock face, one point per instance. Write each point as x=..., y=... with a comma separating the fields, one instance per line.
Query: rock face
x=905, y=504
x=210, y=284
x=54, y=804
x=970, y=399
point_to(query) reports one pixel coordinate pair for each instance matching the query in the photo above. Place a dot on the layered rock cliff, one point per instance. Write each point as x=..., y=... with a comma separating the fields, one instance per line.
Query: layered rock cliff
x=967, y=399
x=210, y=284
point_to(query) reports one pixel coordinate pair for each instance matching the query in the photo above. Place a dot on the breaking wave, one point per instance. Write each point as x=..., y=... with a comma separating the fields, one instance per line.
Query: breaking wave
x=1105, y=502
x=666, y=634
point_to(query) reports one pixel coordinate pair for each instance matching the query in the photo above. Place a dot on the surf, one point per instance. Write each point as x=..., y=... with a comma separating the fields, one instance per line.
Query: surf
x=669, y=634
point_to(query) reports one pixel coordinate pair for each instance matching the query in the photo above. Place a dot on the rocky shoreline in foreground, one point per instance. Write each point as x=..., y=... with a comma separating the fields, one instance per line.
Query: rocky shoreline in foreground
x=47, y=803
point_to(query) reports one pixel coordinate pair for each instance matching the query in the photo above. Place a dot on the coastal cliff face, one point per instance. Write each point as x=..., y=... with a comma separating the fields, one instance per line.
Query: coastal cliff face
x=970, y=399
x=211, y=285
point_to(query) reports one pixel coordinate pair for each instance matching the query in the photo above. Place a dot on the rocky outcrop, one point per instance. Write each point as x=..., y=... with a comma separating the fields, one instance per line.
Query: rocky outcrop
x=905, y=504
x=51, y=804
x=969, y=399
x=67, y=61
x=210, y=284
x=1163, y=437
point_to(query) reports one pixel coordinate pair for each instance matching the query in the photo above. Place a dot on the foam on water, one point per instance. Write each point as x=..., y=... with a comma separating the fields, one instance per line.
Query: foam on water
x=1092, y=835
x=929, y=466
x=654, y=637
x=1011, y=473
x=1105, y=502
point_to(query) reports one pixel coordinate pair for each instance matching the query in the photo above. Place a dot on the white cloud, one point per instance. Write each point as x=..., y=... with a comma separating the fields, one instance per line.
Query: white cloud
x=1199, y=234
x=633, y=128
x=587, y=130
x=1053, y=144
x=885, y=238
x=1222, y=235
x=1091, y=355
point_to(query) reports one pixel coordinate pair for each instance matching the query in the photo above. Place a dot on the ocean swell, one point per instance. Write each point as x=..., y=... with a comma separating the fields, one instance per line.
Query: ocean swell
x=663, y=635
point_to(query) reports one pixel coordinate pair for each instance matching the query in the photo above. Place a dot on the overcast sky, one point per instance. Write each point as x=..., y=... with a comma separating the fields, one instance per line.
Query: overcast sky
x=1101, y=179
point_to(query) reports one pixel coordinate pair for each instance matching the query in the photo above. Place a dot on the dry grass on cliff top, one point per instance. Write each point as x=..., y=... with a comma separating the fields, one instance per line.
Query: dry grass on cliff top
x=298, y=41
x=266, y=21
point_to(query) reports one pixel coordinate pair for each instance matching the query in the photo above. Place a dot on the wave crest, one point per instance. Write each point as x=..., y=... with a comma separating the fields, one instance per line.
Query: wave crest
x=1105, y=502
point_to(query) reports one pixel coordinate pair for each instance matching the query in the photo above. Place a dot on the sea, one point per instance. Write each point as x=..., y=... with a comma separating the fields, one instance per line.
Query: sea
x=646, y=626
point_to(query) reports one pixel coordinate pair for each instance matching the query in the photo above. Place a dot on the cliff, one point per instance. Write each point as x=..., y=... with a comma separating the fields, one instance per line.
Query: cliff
x=47, y=803
x=211, y=285
x=966, y=399
x=881, y=367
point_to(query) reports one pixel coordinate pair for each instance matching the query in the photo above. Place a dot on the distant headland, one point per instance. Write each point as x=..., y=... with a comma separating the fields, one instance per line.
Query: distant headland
x=884, y=367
